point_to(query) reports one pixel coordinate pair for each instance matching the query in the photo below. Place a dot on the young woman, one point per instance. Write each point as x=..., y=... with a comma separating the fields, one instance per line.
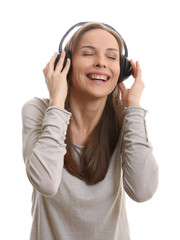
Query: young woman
x=87, y=145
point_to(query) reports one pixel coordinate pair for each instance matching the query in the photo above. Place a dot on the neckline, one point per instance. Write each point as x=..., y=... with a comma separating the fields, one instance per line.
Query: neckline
x=78, y=146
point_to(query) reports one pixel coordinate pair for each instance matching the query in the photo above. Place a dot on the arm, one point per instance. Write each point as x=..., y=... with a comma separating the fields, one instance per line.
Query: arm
x=44, y=130
x=140, y=170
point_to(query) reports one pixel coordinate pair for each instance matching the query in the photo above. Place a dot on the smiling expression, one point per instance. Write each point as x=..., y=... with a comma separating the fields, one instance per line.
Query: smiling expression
x=95, y=64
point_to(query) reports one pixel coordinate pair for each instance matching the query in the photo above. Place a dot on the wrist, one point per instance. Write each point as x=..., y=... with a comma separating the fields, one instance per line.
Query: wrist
x=57, y=102
x=132, y=104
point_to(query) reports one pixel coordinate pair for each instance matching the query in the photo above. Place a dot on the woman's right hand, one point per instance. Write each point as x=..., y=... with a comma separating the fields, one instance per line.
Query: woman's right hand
x=56, y=80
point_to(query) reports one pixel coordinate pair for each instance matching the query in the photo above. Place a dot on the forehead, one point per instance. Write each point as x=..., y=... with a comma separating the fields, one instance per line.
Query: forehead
x=98, y=37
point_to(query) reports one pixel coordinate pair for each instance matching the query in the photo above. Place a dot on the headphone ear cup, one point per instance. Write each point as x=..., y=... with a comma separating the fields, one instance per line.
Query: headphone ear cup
x=125, y=69
x=68, y=55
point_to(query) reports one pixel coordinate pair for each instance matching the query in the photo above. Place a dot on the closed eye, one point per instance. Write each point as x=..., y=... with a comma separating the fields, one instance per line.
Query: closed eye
x=113, y=58
x=88, y=54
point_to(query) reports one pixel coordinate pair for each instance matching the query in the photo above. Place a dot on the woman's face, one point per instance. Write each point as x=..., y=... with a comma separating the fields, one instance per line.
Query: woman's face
x=95, y=64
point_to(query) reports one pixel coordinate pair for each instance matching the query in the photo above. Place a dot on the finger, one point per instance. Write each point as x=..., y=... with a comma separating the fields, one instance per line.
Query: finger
x=138, y=82
x=133, y=68
x=138, y=69
x=50, y=65
x=67, y=66
x=44, y=71
x=60, y=63
x=51, y=62
x=53, y=57
x=138, y=77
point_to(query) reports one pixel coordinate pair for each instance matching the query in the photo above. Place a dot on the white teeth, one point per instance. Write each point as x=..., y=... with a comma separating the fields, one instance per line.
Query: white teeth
x=98, y=77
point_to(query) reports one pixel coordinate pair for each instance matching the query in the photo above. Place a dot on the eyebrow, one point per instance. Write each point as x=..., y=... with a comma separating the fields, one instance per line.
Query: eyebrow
x=108, y=49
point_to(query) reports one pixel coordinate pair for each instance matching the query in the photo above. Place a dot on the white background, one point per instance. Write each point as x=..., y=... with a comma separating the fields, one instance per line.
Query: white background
x=30, y=34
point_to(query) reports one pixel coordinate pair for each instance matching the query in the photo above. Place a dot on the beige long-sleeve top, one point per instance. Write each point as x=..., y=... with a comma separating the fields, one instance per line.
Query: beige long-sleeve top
x=65, y=207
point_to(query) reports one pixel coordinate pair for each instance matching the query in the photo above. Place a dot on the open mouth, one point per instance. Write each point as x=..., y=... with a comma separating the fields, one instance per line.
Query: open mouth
x=98, y=77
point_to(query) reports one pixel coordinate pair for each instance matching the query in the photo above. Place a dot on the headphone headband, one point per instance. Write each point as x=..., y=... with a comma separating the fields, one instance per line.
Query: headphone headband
x=81, y=24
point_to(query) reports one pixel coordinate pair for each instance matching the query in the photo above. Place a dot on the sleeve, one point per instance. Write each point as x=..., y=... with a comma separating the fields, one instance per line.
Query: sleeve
x=43, y=135
x=140, y=169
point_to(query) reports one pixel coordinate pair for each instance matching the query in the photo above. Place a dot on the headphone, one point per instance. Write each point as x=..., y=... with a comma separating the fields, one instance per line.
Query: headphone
x=125, y=66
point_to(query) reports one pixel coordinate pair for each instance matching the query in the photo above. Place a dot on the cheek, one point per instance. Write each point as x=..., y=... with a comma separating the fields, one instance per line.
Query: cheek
x=75, y=72
x=76, y=75
x=116, y=71
x=118, y=68
x=79, y=69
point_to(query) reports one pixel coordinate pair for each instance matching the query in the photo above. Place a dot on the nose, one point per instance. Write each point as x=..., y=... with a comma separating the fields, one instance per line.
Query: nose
x=100, y=61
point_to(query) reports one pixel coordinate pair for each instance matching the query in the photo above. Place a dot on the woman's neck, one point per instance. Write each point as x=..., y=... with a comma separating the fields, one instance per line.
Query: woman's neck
x=86, y=114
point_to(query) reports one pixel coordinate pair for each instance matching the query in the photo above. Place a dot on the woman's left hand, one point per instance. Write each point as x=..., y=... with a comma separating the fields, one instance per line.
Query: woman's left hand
x=131, y=97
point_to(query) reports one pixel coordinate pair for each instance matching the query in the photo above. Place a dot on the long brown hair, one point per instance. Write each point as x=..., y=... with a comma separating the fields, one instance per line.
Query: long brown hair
x=94, y=157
